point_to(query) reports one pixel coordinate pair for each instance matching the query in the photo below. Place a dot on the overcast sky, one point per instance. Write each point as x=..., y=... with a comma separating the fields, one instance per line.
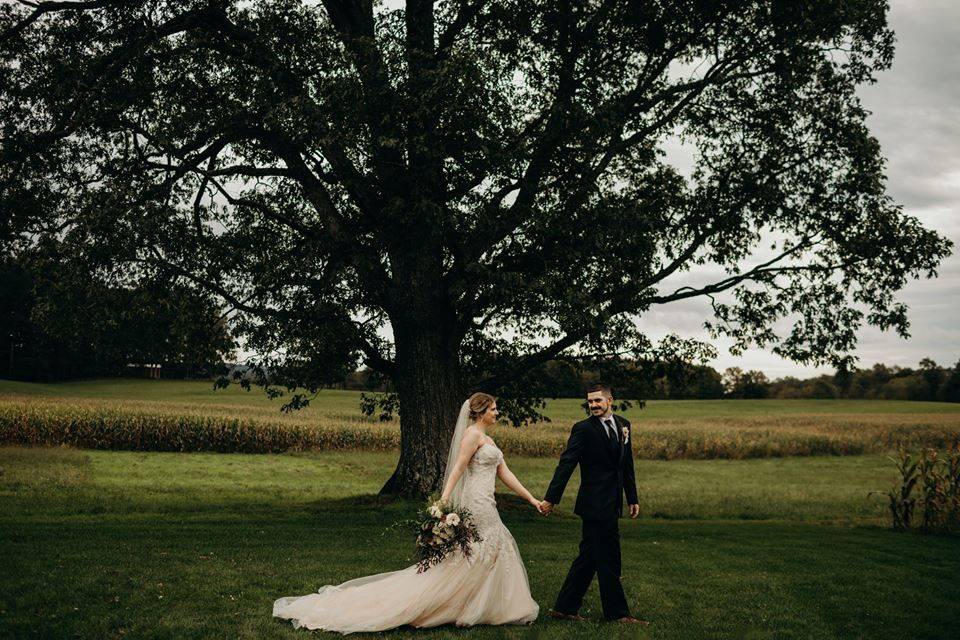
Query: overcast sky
x=916, y=116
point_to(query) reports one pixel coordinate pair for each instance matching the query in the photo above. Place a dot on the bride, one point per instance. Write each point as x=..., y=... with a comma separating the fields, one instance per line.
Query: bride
x=488, y=587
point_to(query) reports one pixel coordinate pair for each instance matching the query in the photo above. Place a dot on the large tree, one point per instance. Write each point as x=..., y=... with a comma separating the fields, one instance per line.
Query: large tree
x=484, y=182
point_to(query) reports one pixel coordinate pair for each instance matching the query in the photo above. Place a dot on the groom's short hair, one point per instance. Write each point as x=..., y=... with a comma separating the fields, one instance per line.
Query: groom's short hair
x=602, y=387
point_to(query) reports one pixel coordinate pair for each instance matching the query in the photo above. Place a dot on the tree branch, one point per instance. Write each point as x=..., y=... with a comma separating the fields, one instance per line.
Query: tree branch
x=354, y=21
x=373, y=358
x=466, y=12
x=572, y=337
x=528, y=185
x=40, y=8
x=337, y=228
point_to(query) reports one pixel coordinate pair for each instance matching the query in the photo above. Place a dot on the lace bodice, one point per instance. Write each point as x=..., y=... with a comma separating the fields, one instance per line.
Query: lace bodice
x=479, y=482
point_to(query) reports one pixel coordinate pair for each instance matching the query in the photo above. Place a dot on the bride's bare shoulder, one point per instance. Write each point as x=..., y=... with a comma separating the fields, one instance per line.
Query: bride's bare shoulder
x=476, y=438
x=472, y=436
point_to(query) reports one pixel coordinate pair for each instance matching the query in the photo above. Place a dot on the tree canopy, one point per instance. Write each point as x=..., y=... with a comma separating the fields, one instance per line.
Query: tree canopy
x=457, y=192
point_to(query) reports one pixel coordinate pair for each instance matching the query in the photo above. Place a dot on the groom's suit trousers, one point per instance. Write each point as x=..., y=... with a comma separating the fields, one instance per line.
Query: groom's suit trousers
x=600, y=555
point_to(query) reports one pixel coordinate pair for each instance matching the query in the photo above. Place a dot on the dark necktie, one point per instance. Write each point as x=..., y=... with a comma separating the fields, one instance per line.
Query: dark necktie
x=611, y=429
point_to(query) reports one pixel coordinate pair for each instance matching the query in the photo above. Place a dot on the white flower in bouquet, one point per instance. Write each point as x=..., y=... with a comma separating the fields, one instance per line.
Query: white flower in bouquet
x=441, y=532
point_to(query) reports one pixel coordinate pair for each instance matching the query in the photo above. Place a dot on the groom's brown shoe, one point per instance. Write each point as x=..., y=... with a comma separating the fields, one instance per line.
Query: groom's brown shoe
x=632, y=620
x=566, y=616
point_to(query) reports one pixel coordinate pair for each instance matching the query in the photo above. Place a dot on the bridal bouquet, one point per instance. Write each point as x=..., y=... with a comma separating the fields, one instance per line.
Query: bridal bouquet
x=441, y=531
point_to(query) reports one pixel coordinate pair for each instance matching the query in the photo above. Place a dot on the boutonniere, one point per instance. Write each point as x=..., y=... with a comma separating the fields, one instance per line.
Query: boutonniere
x=626, y=434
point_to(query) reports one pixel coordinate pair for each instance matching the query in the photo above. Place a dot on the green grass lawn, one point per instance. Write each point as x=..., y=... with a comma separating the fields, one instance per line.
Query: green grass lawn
x=103, y=544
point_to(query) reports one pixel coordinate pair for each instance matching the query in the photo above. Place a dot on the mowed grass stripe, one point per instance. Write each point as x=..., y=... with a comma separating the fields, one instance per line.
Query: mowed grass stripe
x=43, y=484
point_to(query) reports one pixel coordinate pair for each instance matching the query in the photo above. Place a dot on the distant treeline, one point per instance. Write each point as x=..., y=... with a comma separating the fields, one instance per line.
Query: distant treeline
x=61, y=319
x=928, y=381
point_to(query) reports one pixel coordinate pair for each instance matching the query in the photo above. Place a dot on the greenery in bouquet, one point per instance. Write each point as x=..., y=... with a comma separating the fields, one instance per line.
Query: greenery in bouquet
x=441, y=530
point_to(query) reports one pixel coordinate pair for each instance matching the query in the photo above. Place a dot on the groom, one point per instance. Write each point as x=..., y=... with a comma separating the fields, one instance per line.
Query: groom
x=601, y=446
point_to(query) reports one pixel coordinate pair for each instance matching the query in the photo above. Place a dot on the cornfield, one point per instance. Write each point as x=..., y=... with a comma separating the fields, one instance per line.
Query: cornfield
x=158, y=426
x=928, y=484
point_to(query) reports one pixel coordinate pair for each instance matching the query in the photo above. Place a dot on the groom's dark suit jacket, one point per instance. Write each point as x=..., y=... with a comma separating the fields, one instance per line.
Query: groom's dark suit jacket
x=604, y=475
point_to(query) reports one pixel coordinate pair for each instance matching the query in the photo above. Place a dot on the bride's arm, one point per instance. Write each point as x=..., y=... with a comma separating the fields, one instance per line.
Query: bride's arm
x=468, y=446
x=504, y=473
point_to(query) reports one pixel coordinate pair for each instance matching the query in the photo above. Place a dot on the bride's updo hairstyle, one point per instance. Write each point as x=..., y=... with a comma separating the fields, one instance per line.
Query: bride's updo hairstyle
x=479, y=403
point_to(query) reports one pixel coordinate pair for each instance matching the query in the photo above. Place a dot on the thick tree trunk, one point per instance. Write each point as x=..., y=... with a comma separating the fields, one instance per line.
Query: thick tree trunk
x=428, y=384
x=427, y=380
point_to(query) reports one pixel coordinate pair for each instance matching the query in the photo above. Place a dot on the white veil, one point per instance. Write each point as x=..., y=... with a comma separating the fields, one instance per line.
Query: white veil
x=462, y=421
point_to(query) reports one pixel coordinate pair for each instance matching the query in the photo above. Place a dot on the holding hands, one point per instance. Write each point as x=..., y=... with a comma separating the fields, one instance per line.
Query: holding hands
x=537, y=504
x=546, y=508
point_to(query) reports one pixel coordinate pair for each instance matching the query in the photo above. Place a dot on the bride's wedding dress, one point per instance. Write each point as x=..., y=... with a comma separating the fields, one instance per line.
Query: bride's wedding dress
x=489, y=587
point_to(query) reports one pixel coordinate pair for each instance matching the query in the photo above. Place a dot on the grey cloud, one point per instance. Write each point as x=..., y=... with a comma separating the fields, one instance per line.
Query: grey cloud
x=916, y=105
